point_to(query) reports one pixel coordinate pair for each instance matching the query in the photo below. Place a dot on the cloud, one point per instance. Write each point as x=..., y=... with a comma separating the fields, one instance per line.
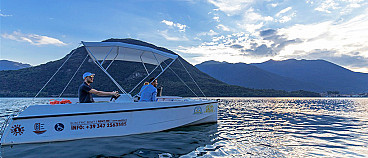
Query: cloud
x=231, y=7
x=274, y=4
x=222, y=27
x=251, y=16
x=252, y=21
x=344, y=37
x=209, y=33
x=168, y=37
x=181, y=27
x=271, y=45
x=216, y=18
x=33, y=39
x=285, y=18
x=241, y=47
x=4, y=15
x=283, y=11
x=327, y=6
x=341, y=42
x=268, y=32
x=341, y=7
x=237, y=46
x=284, y=30
x=261, y=50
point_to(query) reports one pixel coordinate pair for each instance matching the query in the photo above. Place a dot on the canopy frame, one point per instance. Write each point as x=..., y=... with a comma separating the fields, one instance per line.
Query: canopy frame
x=99, y=64
x=163, y=57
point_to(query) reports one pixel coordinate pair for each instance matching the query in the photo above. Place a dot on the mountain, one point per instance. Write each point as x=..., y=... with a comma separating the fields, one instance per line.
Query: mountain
x=12, y=65
x=250, y=76
x=329, y=76
x=27, y=82
x=292, y=74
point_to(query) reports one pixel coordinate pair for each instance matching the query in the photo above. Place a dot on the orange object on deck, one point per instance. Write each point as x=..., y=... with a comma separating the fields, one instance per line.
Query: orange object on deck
x=64, y=101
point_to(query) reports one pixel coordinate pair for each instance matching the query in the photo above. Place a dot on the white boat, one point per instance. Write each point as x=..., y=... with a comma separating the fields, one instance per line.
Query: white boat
x=123, y=116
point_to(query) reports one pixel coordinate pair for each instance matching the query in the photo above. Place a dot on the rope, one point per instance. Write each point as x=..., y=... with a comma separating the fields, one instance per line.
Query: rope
x=192, y=78
x=56, y=72
x=73, y=76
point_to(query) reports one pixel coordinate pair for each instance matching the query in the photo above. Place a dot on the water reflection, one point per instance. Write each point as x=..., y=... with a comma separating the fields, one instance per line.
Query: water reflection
x=292, y=128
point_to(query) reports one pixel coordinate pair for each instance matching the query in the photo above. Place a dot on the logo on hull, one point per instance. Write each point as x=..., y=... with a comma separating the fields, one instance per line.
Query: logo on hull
x=198, y=110
x=39, y=128
x=59, y=127
x=17, y=130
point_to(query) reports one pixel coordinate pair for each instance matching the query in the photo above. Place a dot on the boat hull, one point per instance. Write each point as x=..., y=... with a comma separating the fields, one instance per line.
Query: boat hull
x=118, y=119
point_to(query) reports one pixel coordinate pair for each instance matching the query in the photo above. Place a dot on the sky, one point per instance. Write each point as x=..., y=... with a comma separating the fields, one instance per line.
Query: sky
x=247, y=31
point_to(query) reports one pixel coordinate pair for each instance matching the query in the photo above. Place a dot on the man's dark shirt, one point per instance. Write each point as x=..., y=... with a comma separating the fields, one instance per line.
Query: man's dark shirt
x=83, y=93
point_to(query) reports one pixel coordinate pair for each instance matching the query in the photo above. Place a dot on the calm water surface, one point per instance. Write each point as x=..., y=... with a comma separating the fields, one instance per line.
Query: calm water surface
x=247, y=127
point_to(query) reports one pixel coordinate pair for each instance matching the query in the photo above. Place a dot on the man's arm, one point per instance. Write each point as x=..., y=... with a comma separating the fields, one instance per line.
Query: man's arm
x=102, y=93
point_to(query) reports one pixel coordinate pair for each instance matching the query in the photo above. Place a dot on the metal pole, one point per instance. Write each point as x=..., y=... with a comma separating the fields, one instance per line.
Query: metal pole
x=192, y=78
x=161, y=72
x=183, y=82
x=55, y=72
x=158, y=61
x=107, y=55
x=143, y=79
x=143, y=63
x=73, y=76
x=117, y=53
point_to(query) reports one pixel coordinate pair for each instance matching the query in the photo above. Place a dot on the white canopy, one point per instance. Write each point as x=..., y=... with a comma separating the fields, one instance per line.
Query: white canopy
x=126, y=52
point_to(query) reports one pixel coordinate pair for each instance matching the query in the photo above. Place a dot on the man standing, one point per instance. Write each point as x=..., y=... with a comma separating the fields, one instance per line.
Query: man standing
x=149, y=92
x=85, y=89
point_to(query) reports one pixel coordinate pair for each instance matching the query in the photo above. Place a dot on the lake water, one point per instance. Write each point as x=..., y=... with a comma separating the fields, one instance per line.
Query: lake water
x=247, y=127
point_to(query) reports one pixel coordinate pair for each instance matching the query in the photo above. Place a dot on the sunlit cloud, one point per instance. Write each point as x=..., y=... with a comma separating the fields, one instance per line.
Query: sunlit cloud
x=33, y=39
x=179, y=26
x=343, y=43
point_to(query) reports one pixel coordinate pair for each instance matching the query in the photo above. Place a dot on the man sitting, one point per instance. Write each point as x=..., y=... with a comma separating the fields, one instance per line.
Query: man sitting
x=85, y=90
x=149, y=92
